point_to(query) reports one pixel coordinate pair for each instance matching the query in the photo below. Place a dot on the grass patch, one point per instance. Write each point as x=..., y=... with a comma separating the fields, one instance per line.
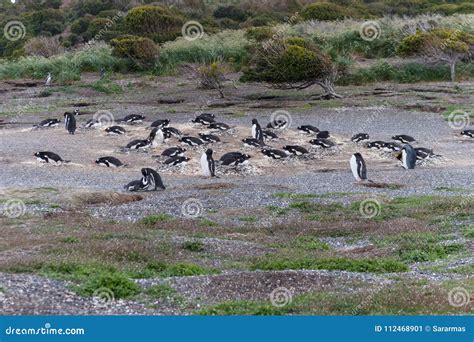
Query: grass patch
x=248, y=219
x=151, y=220
x=450, y=189
x=193, y=246
x=204, y=222
x=163, y=292
x=278, y=211
x=294, y=196
x=117, y=283
x=164, y=270
x=310, y=243
x=380, y=265
x=106, y=86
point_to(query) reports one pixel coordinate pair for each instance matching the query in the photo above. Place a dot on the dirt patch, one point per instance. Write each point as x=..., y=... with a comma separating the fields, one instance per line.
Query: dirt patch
x=111, y=198
x=214, y=186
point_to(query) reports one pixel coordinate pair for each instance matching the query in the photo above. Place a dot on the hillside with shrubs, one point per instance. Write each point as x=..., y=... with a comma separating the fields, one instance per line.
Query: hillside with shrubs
x=329, y=38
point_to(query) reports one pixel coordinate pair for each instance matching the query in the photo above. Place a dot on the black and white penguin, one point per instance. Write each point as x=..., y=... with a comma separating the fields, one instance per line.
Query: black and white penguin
x=177, y=160
x=324, y=143
x=219, y=126
x=308, y=129
x=274, y=154
x=359, y=137
x=48, y=80
x=295, y=150
x=322, y=135
x=406, y=139
x=92, y=123
x=468, y=133
x=358, y=167
x=208, y=166
x=133, y=119
x=277, y=124
x=160, y=123
x=156, y=137
x=77, y=112
x=191, y=141
x=136, y=185
x=392, y=147
x=50, y=157
x=48, y=123
x=269, y=135
x=253, y=142
x=70, y=122
x=152, y=179
x=234, y=159
x=139, y=144
x=204, y=119
x=257, y=132
x=210, y=138
x=115, y=130
x=109, y=162
x=376, y=144
x=424, y=153
x=174, y=152
x=408, y=157
x=171, y=132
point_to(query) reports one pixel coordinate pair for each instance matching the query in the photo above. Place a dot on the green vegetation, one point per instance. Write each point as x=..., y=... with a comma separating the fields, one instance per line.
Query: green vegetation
x=152, y=220
x=379, y=265
x=193, y=246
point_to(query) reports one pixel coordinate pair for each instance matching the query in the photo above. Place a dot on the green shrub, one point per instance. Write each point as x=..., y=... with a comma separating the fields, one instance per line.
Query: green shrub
x=155, y=22
x=183, y=270
x=324, y=11
x=259, y=33
x=117, y=283
x=230, y=12
x=151, y=220
x=193, y=246
x=106, y=86
x=139, y=50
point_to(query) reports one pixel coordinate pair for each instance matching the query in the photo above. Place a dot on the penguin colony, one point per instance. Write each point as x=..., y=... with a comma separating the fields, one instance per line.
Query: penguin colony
x=162, y=132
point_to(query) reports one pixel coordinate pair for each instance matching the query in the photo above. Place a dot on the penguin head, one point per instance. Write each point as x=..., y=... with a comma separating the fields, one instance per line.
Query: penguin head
x=357, y=155
x=76, y=111
x=246, y=156
x=209, y=152
x=254, y=122
x=37, y=154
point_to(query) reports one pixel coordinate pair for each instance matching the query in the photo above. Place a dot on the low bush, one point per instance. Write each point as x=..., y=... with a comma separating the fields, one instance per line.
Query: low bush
x=141, y=52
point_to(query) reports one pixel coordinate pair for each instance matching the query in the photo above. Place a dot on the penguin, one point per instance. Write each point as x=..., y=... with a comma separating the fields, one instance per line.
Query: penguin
x=219, y=126
x=408, y=157
x=234, y=159
x=308, y=129
x=277, y=124
x=274, y=154
x=204, y=119
x=109, y=162
x=156, y=137
x=70, y=122
x=208, y=166
x=324, y=143
x=406, y=139
x=77, y=112
x=392, y=147
x=133, y=119
x=424, y=153
x=139, y=144
x=295, y=150
x=92, y=123
x=116, y=130
x=48, y=123
x=175, y=161
x=209, y=138
x=136, y=185
x=257, y=132
x=48, y=80
x=160, y=123
x=358, y=167
x=322, y=135
x=269, y=135
x=376, y=144
x=152, y=179
x=359, y=137
x=253, y=142
x=174, y=152
x=102, y=73
x=468, y=133
x=50, y=157
x=191, y=141
x=171, y=132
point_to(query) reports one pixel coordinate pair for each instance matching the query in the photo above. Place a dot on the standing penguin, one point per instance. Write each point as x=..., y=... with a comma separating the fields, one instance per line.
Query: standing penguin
x=48, y=80
x=257, y=132
x=70, y=122
x=358, y=167
x=208, y=166
x=408, y=157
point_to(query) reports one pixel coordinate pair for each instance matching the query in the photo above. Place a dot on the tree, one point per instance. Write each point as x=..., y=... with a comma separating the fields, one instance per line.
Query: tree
x=439, y=46
x=293, y=63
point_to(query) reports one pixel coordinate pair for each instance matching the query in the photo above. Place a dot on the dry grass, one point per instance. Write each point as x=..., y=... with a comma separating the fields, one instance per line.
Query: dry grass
x=110, y=198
